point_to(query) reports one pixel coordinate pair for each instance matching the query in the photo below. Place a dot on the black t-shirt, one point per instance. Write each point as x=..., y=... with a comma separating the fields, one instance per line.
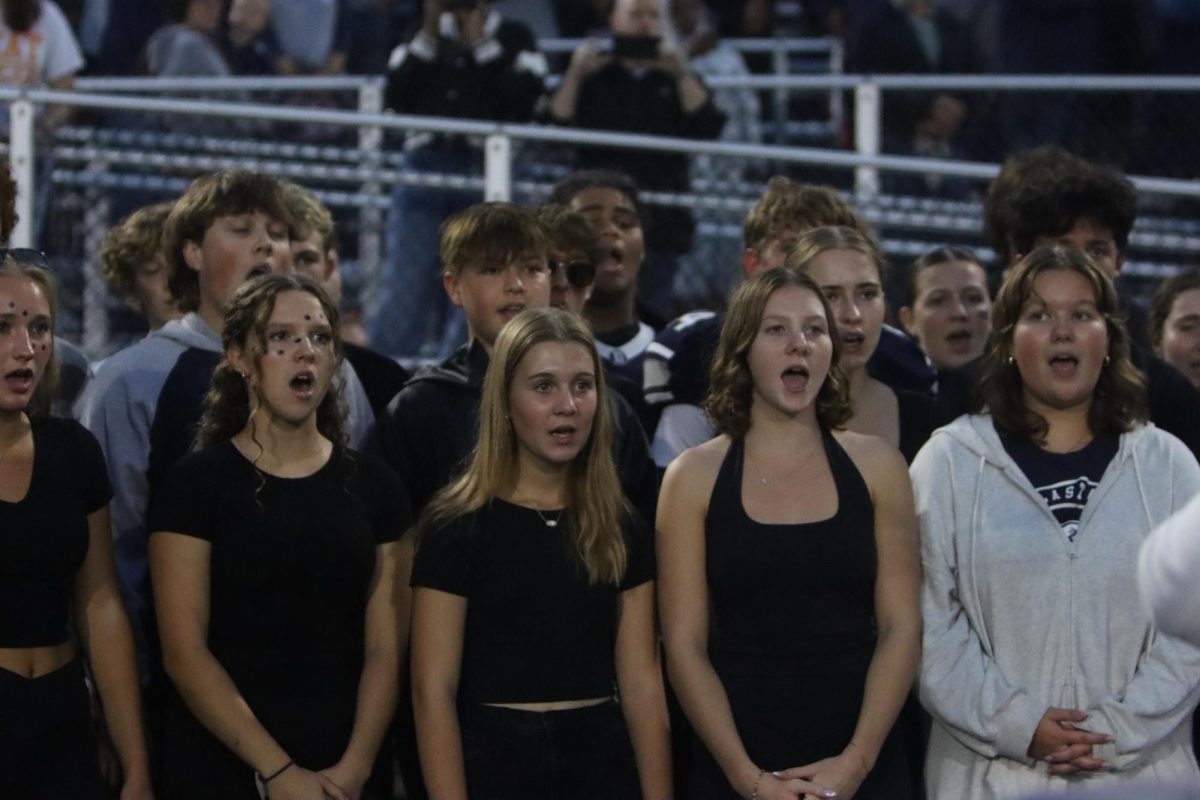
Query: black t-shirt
x=44, y=536
x=291, y=562
x=536, y=630
x=1064, y=480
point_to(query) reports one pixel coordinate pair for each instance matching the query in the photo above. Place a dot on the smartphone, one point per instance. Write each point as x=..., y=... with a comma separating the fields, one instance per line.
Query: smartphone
x=644, y=48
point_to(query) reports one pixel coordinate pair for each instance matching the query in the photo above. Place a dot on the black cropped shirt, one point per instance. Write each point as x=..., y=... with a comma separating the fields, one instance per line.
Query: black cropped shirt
x=44, y=536
x=536, y=630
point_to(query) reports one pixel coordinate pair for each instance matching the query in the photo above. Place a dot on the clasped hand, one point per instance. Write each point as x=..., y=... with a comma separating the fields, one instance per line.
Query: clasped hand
x=1063, y=745
x=834, y=777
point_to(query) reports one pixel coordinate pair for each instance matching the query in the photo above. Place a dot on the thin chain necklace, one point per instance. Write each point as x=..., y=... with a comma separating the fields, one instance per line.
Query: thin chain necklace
x=765, y=481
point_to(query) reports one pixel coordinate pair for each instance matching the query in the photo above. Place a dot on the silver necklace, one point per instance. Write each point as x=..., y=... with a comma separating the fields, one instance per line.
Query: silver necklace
x=550, y=523
x=764, y=481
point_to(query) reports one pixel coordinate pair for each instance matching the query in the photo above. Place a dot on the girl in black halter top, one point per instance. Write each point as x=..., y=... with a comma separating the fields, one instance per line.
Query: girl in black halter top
x=789, y=569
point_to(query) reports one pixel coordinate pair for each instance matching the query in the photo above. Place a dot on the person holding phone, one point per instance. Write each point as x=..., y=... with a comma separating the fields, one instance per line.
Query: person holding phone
x=642, y=84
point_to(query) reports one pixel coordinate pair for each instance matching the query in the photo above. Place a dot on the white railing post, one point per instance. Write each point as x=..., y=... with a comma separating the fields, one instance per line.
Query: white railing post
x=497, y=168
x=370, y=215
x=21, y=155
x=867, y=135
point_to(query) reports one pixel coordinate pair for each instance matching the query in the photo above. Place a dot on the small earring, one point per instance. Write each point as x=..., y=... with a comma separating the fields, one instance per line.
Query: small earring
x=1010, y=361
x=1107, y=360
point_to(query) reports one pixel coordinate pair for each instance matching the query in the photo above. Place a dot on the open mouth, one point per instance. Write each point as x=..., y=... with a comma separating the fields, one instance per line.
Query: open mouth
x=853, y=341
x=795, y=379
x=615, y=260
x=1064, y=365
x=258, y=269
x=959, y=340
x=563, y=434
x=303, y=384
x=511, y=310
x=19, y=380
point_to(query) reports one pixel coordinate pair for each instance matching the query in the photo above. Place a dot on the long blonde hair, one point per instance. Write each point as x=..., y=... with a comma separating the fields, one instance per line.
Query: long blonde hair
x=597, y=506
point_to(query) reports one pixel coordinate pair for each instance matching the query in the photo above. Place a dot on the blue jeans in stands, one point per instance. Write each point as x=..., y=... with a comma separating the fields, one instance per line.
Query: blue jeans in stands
x=410, y=313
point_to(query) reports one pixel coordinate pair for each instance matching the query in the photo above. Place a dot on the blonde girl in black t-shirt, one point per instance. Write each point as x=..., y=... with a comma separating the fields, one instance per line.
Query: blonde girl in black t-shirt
x=533, y=604
x=273, y=561
x=56, y=572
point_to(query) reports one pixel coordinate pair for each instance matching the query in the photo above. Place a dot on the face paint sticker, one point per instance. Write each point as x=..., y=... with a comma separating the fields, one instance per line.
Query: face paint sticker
x=298, y=340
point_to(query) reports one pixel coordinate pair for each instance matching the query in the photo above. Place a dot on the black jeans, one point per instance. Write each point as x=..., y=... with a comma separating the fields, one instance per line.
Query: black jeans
x=581, y=754
x=47, y=749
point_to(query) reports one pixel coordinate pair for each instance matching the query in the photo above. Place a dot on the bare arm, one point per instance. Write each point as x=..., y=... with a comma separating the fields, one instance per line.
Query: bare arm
x=586, y=59
x=643, y=699
x=180, y=571
x=379, y=685
x=439, y=620
x=106, y=636
x=683, y=603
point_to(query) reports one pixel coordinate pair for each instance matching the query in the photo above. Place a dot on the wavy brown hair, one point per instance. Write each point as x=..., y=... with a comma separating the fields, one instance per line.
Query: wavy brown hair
x=731, y=386
x=43, y=393
x=834, y=237
x=787, y=204
x=227, y=405
x=1119, y=399
x=597, y=505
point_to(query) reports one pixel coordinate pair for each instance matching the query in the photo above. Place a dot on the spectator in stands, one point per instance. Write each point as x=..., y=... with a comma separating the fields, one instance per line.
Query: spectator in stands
x=60, y=601
x=949, y=307
x=144, y=402
x=784, y=489
x=495, y=257
x=913, y=36
x=273, y=555
x=675, y=373
x=533, y=593
x=73, y=367
x=850, y=271
x=652, y=92
x=132, y=264
x=465, y=61
x=1175, y=323
x=609, y=201
x=250, y=43
x=574, y=250
x=114, y=33
x=188, y=45
x=38, y=48
x=306, y=31
x=1046, y=196
x=314, y=248
x=1031, y=518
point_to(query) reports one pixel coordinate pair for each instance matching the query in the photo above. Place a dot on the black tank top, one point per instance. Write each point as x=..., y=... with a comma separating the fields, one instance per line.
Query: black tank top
x=791, y=590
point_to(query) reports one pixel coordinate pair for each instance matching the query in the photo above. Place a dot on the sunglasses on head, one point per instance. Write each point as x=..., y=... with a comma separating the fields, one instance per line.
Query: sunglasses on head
x=580, y=273
x=25, y=255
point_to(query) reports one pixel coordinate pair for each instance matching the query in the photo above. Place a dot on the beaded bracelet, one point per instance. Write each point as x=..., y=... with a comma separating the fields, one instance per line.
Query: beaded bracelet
x=268, y=778
x=757, y=781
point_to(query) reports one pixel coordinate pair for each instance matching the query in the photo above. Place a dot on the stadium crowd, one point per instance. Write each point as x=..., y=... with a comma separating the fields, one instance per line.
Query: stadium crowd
x=830, y=540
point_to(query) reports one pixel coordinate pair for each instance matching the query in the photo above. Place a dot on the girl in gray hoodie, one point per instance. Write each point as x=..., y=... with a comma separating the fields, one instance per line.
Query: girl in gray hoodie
x=1041, y=669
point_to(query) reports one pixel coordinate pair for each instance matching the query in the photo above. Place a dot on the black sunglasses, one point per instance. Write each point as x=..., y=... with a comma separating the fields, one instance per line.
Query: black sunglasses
x=580, y=273
x=25, y=255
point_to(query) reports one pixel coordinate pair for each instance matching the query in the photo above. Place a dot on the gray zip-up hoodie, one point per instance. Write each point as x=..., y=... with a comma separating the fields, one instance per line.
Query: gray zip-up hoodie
x=1017, y=619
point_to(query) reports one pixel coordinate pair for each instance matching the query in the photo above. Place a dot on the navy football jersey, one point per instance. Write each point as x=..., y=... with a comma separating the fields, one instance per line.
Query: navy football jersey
x=676, y=364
